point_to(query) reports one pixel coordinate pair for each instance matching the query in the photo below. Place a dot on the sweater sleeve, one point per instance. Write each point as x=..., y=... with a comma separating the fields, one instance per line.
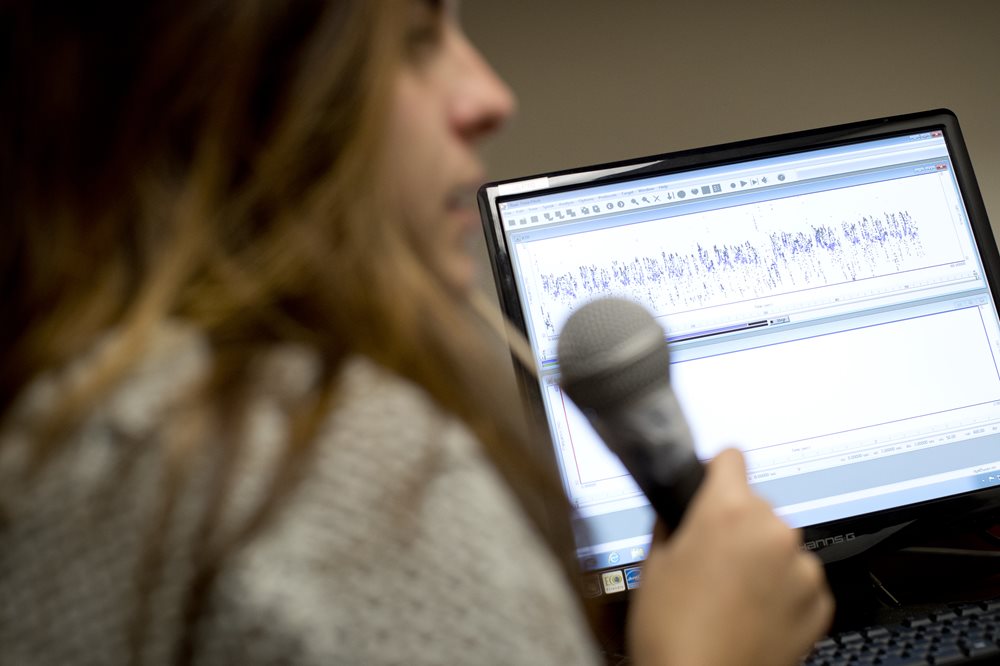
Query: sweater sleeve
x=401, y=546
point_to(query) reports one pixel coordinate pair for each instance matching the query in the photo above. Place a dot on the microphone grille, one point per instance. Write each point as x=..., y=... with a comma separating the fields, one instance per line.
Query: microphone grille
x=609, y=350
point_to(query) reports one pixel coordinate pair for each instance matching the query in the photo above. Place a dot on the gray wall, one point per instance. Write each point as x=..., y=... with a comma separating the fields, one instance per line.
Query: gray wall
x=600, y=80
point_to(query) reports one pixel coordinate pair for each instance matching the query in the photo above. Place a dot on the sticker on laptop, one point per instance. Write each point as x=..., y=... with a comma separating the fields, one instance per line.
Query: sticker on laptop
x=614, y=581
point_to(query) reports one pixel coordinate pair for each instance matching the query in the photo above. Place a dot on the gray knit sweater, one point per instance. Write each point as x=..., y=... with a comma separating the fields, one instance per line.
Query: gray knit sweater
x=401, y=546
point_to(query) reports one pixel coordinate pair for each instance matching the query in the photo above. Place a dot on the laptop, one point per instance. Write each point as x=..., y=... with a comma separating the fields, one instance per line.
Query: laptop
x=830, y=302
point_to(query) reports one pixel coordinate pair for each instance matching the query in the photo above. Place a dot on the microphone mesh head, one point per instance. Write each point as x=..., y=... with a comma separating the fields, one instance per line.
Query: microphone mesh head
x=610, y=350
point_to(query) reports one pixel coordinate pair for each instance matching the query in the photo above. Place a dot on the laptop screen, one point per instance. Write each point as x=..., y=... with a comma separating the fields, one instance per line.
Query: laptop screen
x=827, y=308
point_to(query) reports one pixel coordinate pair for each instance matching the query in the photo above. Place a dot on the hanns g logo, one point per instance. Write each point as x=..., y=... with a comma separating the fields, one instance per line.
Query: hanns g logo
x=828, y=541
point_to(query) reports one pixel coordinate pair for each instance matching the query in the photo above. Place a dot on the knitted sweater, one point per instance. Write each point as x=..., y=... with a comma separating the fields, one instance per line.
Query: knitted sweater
x=400, y=546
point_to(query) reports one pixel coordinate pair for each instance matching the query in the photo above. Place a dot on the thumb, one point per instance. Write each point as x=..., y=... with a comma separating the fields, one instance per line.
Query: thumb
x=728, y=467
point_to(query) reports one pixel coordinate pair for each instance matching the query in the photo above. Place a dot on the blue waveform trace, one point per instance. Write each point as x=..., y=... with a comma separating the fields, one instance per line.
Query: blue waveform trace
x=775, y=262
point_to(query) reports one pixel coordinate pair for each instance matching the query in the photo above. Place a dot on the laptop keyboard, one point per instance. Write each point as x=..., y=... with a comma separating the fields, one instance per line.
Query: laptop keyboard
x=964, y=634
x=960, y=634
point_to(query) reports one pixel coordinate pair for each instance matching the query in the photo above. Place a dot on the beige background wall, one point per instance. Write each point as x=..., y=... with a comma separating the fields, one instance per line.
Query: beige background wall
x=600, y=80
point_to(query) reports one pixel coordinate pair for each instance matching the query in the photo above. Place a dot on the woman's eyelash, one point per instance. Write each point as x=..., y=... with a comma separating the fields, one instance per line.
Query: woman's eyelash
x=422, y=38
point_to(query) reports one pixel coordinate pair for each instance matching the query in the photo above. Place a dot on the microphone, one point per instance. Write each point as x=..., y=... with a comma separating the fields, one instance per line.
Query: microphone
x=615, y=366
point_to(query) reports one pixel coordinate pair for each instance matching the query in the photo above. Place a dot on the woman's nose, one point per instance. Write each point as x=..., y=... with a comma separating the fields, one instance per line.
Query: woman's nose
x=483, y=101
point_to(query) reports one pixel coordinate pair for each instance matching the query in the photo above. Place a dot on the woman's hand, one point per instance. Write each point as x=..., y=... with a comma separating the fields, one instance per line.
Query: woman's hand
x=732, y=585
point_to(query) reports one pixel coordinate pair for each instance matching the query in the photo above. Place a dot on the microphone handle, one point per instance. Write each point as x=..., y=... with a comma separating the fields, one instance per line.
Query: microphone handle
x=652, y=440
x=670, y=500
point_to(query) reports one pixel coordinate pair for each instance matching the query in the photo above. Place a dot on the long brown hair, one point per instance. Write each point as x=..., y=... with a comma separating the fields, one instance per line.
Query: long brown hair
x=215, y=161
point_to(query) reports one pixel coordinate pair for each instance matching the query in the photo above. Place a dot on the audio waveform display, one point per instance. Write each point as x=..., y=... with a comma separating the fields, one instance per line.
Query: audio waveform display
x=704, y=273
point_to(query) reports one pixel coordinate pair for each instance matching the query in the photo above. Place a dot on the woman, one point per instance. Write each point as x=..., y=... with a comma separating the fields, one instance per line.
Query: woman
x=248, y=412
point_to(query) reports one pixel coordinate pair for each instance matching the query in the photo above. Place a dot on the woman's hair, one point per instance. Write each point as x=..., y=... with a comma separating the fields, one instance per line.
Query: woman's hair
x=200, y=159
x=218, y=161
